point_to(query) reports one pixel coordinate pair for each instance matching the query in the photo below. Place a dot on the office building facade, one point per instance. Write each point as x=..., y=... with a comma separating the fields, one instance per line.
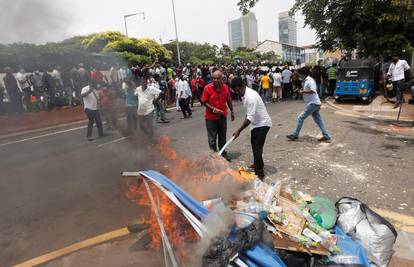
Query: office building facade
x=243, y=32
x=287, y=29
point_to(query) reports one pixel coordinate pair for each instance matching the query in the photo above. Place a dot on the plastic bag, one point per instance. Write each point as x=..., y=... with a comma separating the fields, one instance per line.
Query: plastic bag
x=324, y=211
x=376, y=235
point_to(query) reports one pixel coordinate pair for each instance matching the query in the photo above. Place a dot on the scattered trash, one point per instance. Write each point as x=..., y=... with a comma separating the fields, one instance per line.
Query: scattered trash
x=277, y=226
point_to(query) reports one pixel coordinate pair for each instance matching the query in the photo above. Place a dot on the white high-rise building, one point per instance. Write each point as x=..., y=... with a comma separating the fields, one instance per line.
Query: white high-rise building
x=243, y=32
x=287, y=29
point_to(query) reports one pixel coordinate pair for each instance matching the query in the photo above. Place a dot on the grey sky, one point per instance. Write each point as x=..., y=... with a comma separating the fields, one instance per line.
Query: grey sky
x=198, y=20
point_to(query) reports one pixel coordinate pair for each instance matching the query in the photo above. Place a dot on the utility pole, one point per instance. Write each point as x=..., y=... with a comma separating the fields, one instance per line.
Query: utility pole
x=131, y=15
x=176, y=35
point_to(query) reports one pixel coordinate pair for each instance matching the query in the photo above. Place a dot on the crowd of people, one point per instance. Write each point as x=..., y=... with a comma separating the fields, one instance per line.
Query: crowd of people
x=46, y=89
x=144, y=92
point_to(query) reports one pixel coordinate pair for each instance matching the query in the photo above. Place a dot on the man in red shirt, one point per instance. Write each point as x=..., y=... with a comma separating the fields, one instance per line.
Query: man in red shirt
x=216, y=98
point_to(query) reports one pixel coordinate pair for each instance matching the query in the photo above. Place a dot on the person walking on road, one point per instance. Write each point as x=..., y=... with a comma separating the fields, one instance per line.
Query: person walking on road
x=183, y=94
x=259, y=121
x=312, y=107
x=131, y=106
x=91, y=104
x=216, y=98
x=396, y=72
x=147, y=96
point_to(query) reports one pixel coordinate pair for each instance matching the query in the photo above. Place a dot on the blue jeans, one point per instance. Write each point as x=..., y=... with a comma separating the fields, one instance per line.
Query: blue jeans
x=265, y=94
x=321, y=88
x=311, y=109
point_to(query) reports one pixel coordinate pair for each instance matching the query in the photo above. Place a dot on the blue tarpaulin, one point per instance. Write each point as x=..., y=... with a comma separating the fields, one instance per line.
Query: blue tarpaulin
x=258, y=255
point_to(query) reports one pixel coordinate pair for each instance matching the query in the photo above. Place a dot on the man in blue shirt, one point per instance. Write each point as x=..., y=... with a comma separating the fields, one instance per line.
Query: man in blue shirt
x=312, y=107
x=131, y=105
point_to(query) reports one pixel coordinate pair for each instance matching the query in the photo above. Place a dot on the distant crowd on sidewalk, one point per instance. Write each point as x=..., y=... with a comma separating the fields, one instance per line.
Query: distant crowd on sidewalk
x=42, y=90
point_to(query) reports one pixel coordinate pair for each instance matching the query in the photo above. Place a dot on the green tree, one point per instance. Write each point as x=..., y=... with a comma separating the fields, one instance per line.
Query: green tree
x=375, y=27
x=194, y=53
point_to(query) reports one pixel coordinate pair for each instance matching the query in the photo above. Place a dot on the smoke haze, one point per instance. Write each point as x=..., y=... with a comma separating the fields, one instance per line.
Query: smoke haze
x=35, y=21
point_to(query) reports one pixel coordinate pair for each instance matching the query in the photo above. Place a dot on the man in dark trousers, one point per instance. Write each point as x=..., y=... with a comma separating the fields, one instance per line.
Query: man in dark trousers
x=91, y=105
x=258, y=119
x=216, y=98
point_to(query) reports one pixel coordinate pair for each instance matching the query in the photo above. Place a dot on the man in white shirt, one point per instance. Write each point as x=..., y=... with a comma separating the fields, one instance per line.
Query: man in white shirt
x=287, y=82
x=312, y=107
x=396, y=72
x=147, y=96
x=184, y=94
x=25, y=87
x=258, y=119
x=91, y=104
x=277, y=85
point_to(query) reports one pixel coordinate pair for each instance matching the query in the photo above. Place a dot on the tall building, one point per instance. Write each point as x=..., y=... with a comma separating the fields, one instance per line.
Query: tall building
x=287, y=29
x=243, y=32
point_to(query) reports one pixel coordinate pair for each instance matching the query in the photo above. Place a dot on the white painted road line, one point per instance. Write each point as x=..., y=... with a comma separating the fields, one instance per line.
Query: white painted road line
x=114, y=141
x=41, y=136
x=48, y=134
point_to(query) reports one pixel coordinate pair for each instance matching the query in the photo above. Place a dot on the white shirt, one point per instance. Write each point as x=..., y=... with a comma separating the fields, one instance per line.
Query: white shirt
x=310, y=85
x=286, y=74
x=182, y=87
x=91, y=100
x=255, y=109
x=397, y=70
x=22, y=79
x=146, y=99
x=277, y=79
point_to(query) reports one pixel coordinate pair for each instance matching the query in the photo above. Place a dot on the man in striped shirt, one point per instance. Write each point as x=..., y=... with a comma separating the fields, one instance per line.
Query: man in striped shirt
x=332, y=72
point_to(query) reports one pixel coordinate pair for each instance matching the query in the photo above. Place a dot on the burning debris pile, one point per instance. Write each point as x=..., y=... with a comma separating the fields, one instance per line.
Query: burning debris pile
x=263, y=225
x=203, y=179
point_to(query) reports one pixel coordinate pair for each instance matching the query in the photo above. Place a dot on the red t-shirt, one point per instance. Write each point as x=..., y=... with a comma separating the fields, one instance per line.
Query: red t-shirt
x=200, y=82
x=106, y=96
x=97, y=76
x=193, y=85
x=217, y=99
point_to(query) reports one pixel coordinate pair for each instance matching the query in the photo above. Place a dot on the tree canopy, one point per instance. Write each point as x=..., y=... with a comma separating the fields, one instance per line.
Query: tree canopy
x=375, y=27
x=93, y=49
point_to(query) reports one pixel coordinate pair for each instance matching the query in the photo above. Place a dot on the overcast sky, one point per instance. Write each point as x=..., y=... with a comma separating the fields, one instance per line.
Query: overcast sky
x=198, y=20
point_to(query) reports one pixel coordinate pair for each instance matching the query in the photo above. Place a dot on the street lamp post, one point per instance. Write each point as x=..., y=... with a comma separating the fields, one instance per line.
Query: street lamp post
x=176, y=35
x=131, y=15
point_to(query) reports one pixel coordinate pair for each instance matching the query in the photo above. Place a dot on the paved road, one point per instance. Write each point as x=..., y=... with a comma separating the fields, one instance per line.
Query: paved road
x=59, y=189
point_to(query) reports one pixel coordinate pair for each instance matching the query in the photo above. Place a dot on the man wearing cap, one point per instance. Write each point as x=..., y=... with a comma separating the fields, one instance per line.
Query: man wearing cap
x=216, y=98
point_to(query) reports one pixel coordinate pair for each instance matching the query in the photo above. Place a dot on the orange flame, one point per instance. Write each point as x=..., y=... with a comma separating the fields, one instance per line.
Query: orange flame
x=203, y=179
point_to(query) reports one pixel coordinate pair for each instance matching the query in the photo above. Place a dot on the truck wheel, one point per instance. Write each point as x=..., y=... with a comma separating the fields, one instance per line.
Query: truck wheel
x=338, y=100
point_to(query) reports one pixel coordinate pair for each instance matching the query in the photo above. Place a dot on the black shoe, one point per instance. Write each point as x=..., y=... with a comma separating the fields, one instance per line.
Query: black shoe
x=325, y=140
x=260, y=174
x=292, y=137
x=226, y=157
x=103, y=135
x=89, y=138
x=165, y=121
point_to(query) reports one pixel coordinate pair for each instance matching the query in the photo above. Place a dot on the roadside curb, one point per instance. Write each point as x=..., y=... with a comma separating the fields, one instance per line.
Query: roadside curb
x=347, y=112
